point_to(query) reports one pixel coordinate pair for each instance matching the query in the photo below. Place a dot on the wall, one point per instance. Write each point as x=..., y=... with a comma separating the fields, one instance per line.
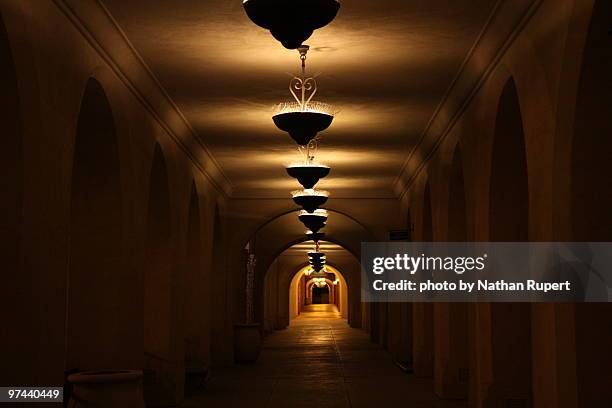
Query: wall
x=541, y=57
x=56, y=56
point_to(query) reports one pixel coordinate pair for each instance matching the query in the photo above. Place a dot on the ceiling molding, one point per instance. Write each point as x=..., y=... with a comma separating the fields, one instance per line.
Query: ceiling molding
x=505, y=23
x=93, y=20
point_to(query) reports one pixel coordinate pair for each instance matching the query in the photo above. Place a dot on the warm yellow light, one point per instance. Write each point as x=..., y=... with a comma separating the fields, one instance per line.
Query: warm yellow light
x=318, y=213
x=309, y=192
x=314, y=107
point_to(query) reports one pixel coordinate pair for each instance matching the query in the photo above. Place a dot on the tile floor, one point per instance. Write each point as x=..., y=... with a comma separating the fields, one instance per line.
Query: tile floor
x=318, y=362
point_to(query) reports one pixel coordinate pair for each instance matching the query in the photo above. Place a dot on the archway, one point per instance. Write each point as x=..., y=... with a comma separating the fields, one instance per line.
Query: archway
x=196, y=299
x=286, y=288
x=423, y=325
x=98, y=329
x=591, y=186
x=509, y=222
x=451, y=319
x=220, y=350
x=159, y=302
x=320, y=295
x=280, y=234
x=301, y=291
x=15, y=312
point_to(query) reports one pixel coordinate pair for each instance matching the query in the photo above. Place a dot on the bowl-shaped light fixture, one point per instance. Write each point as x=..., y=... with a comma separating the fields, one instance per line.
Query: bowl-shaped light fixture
x=316, y=263
x=291, y=22
x=303, y=126
x=314, y=255
x=317, y=268
x=320, y=261
x=313, y=221
x=308, y=174
x=310, y=200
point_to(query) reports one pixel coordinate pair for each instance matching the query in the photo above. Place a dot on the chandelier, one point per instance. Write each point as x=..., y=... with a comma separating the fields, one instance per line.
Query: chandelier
x=291, y=22
x=303, y=118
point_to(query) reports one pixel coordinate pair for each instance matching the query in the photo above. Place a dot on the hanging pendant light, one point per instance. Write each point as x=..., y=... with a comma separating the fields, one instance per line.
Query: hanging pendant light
x=310, y=200
x=309, y=173
x=318, y=268
x=316, y=255
x=304, y=118
x=291, y=22
x=313, y=221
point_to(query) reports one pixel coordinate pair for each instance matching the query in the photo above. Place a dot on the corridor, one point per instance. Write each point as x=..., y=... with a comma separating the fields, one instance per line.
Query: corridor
x=319, y=362
x=193, y=194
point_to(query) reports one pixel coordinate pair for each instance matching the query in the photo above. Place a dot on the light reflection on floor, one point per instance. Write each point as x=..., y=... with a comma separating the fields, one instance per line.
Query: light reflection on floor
x=319, y=361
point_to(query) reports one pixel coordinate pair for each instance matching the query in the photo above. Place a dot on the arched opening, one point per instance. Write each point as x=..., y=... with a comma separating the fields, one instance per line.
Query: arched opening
x=509, y=194
x=98, y=326
x=274, y=240
x=159, y=304
x=509, y=222
x=15, y=311
x=591, y=202
x=289, y=289
x=320, y=295
x=196, y=307
x=404, y=314
x=303, y=292
x=219, y=326
x=451, y=319
x=423, y=324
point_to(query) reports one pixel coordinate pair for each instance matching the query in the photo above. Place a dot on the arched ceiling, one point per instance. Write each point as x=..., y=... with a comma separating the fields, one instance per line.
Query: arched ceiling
x=385, y=63
x=279, y=234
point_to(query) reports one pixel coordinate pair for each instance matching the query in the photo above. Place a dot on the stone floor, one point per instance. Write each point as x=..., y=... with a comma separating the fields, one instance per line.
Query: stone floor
x=319, y=362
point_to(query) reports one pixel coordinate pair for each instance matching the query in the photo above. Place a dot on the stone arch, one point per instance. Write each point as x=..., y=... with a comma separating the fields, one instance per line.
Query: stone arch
x=274, y=299
x=280, y=233
x=508, y=186
x=97, y=326
x=11, y=157
x=220, y=350
x=159, y=299
x=510, y=323
x=11, y=213
x=295, y=283
x=196, y=299
x=591, y=200
x=423, y=316
x=451, y=319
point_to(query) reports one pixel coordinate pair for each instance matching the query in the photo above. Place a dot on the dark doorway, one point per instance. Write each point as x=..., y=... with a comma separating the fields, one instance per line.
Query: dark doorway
x=509, y=222
x=96, y=321
x=320, y=296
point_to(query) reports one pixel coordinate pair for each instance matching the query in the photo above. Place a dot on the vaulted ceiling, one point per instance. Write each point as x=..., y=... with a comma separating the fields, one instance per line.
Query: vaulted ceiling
x=386, y=64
